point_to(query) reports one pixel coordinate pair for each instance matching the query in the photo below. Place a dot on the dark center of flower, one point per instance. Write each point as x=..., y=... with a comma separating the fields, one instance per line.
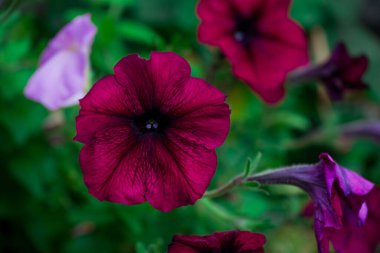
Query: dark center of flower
x=151, y=121
x=244, y=30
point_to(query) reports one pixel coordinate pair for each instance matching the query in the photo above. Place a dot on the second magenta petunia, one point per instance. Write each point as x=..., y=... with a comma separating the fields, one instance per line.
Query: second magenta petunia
x=259, y=39
x=219, y=242
x=150, y=133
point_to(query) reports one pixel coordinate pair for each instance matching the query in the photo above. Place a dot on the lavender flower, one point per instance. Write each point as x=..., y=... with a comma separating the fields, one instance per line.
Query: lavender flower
x=61, y=78
x=362, y=129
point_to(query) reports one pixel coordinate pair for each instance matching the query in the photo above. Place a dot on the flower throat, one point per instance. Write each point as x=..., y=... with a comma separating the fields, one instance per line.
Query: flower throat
x=152, y=121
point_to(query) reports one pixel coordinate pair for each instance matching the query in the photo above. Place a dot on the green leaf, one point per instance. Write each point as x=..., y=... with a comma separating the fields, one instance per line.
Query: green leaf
x=23, y=119
x=289, y=119
x=251, y=165
x=123, y=3
x=140, y=33
x=34, y=169
x=13, y=51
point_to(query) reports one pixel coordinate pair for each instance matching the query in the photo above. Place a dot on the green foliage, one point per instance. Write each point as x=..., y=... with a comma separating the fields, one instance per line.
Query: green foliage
x=45, y=206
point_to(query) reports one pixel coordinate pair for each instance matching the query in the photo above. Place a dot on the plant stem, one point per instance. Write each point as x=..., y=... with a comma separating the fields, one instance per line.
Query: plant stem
x=284, y=175
x=225, y=188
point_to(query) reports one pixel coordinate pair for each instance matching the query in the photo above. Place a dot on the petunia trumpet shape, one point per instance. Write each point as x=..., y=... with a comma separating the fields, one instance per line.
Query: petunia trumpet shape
x=340, y=73
x=258, y=38
x=220, y=242
x=339, y=196
x=150, y=133
x=363, y=239
x=61, y=77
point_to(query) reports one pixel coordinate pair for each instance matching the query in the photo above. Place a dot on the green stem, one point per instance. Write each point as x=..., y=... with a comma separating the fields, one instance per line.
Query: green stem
x=225, y=188
x=271, y=176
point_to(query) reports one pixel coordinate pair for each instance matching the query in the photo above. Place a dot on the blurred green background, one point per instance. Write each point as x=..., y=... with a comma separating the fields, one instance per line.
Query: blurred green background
x=44, y=204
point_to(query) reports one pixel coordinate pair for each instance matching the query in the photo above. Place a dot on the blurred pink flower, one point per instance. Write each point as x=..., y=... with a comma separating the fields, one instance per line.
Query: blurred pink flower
x=61, y=77
x=259, y=39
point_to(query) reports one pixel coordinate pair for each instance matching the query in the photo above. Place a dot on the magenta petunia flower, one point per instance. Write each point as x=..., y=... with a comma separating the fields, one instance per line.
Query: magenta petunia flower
x=338, y=195
x=230, y=241
x=259, y=39
x=150, y=133
x=61, y=78
x=363, y=239
x=340, y=73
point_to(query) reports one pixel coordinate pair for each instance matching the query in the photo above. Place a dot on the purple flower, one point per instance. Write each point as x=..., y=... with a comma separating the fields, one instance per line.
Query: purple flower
x=363, y=239
x=362, y=129
x=61, y=78
x=339, y=196
x=150, y=133
x=340, y=73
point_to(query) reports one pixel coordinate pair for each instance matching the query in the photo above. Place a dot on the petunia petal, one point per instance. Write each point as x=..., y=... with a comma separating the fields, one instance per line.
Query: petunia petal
x=204, y=117
x=134, y=73
x=113, y=166
x=184, y=171
x=273, y=10
x=107, y=97
x=248, y=241
x=169, y=72
x=340, y=56
x=356, y=69
x=60, y=81
x=103, y=107
x=78, y=36
x=247, y=8
x=176, y=247
x=214, y=24
x=211, y=10
x=229, y=241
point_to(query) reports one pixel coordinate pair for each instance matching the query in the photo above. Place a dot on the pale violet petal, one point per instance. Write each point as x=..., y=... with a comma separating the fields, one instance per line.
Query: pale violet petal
x=59, y=80
x=78, y=35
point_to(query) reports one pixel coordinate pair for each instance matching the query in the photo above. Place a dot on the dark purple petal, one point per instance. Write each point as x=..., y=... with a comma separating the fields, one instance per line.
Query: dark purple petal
x=103, y=108
x=355, y=239
x=181, y=172
x=340, y=73
x=362, y=129
x=230, y=241
x=114, y=166
x=339, y=195
x=356, y=69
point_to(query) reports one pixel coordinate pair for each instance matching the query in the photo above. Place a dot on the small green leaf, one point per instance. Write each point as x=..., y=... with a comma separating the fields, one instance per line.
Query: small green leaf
x=252, y=165
x=247, y=170
x=140, y=248
x=288, y=119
